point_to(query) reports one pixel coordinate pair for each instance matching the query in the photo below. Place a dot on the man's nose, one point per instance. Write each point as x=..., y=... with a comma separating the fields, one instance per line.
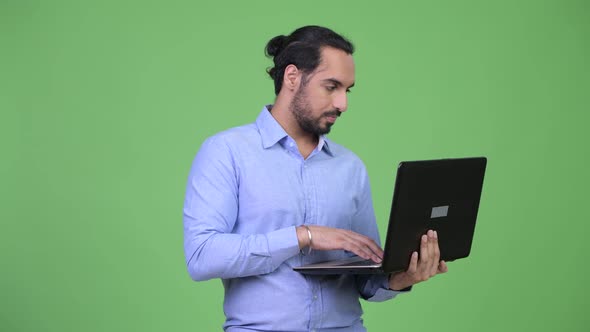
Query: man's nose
x=341, y=101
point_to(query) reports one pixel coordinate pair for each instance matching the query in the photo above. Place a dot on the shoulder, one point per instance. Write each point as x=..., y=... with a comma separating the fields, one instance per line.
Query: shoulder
x=222, y=151
x=344, y=154
x=233, y=138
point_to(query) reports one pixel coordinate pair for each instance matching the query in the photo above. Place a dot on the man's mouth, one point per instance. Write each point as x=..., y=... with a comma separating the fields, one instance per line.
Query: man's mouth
x=332, y=116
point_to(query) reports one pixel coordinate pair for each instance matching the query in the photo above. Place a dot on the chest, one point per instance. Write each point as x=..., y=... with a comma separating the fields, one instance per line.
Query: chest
x=277, y=190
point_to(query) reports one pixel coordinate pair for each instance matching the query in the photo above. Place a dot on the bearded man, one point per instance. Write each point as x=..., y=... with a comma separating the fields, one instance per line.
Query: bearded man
x=275, y=194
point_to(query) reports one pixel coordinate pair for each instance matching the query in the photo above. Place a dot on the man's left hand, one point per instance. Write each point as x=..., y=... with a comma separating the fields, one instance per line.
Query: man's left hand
x=421, y=268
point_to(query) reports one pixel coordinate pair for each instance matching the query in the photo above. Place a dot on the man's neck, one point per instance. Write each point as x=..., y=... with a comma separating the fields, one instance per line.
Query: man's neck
x=306, y=141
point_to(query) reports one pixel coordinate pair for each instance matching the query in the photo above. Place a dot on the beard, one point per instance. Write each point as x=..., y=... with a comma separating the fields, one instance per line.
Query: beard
x=302, y=111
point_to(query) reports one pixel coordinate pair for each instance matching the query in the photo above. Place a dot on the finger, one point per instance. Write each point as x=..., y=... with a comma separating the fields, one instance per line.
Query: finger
x=430, y=263
x=364, y=252
x=326, y=238
x=423, y=251
x=436, y=254
x=433, y=262
x=367, y=241
x=360, y=249
x=413, y=267
x=436, y=247
x=366, y=244
x=442, y=267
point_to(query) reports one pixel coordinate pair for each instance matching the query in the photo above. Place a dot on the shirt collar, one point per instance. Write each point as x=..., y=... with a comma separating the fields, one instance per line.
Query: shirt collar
x=271, y=131
x=324, y=144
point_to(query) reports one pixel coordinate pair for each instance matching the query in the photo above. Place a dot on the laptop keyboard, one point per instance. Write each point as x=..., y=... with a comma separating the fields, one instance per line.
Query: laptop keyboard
x=366, y=262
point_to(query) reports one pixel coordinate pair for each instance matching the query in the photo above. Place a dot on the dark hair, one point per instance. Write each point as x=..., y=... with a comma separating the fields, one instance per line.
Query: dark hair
x=302, y=48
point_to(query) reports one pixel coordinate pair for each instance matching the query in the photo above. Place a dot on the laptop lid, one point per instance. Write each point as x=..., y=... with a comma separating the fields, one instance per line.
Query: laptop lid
x=441, y=195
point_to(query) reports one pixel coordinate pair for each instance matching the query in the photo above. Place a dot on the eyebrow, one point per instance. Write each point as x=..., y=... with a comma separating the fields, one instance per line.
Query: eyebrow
x=336, y=82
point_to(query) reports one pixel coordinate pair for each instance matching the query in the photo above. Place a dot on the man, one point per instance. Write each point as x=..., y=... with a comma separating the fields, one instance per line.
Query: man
x=275, y=194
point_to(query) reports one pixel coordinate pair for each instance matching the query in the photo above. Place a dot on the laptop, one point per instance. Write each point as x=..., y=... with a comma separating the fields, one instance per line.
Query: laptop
x=441, y=195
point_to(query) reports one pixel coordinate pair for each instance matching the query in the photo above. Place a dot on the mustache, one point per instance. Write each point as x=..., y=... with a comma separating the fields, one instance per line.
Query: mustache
x=335, y=113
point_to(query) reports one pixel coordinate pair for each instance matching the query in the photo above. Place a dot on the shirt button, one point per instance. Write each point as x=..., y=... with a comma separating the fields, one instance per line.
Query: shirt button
x=315, y=297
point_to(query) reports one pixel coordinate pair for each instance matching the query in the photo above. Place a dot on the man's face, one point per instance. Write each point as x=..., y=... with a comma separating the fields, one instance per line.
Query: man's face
x=322, y=94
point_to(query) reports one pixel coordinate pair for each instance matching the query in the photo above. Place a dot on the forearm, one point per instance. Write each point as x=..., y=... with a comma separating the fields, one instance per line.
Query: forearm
x=223, y=255
x=375, y=288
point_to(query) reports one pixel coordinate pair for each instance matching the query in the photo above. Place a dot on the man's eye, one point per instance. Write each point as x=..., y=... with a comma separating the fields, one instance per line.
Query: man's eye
x=330, y=88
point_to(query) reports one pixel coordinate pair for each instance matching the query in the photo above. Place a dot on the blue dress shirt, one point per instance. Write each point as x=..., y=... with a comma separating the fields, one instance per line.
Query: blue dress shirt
x=248, y=188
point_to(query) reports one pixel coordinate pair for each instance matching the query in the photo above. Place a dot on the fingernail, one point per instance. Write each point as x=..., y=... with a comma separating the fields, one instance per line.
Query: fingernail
x=435, y=235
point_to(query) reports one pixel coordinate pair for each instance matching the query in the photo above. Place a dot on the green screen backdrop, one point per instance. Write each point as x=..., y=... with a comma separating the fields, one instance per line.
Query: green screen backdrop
x=105, y=103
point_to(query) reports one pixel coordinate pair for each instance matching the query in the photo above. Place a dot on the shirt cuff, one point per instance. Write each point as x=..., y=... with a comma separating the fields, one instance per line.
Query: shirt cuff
x=282, y=245
x=383, y=293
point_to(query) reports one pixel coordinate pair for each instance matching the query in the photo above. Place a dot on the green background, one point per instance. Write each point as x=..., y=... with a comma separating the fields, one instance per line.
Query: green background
x=105, y=103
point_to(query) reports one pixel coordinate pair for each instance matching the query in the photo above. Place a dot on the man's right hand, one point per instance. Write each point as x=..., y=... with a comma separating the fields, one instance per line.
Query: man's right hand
x=328, y=238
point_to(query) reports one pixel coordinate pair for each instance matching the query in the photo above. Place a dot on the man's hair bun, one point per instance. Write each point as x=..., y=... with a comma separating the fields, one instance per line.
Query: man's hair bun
x=276, y=45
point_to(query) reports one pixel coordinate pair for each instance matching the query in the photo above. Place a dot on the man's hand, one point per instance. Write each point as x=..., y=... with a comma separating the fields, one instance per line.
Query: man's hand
x=423, y=268
x=328, y=238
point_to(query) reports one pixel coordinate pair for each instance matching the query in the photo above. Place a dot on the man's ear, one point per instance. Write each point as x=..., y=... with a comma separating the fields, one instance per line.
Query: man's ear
x=291, y=78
